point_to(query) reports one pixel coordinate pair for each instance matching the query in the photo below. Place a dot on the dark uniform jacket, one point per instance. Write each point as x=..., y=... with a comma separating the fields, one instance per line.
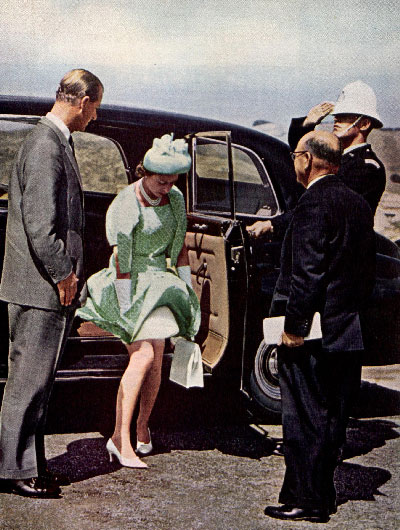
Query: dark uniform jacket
x=361, y=170
x=328, y=264
x=44, y=238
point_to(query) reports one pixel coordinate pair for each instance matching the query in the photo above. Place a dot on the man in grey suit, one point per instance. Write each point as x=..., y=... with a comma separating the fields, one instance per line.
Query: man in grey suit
x=43, y=279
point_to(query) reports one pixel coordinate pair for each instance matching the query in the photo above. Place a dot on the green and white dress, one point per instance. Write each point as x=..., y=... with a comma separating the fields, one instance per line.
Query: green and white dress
x=145, y=237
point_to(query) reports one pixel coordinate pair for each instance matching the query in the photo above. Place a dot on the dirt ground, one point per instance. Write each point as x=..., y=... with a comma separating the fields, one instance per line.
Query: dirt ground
x=213, y=469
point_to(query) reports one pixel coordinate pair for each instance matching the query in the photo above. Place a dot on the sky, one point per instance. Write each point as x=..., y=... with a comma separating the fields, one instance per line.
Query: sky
x=238, y=60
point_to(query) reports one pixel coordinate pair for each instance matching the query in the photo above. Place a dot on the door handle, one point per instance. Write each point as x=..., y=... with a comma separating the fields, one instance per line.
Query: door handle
x=202, y=268
x=200, y=227
x=236, y=253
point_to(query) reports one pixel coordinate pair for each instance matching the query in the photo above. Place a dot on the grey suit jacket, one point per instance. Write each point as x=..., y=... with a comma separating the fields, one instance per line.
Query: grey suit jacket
x=44, y=237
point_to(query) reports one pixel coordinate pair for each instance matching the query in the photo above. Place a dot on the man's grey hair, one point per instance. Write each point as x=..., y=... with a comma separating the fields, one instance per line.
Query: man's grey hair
x=324, y=150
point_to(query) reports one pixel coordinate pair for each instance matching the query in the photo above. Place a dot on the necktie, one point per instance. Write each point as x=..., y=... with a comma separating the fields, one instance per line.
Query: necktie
x=71, y=143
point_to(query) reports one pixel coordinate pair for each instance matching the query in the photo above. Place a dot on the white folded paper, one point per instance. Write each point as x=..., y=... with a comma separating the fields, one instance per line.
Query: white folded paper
x=273, y=329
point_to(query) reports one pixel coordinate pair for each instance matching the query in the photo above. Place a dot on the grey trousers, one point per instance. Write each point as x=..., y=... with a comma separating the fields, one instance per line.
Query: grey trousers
x=37, y=339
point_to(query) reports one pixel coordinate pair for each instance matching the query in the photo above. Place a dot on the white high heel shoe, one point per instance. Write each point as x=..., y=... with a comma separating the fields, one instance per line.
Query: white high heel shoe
x=126, y=462
x=144, y=449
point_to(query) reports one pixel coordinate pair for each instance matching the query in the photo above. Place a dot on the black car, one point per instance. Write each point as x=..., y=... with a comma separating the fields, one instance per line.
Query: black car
x=238, y=176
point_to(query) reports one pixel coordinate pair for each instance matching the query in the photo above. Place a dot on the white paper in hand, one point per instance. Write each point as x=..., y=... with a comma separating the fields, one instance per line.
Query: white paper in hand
x=273, y=329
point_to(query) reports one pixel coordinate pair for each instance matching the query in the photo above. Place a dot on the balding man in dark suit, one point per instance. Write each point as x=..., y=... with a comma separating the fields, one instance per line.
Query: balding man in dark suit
x=43, y=278
x=327, y=266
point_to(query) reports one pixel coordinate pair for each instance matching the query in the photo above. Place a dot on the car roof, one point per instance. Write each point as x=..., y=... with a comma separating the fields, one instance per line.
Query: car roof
x=273, y=152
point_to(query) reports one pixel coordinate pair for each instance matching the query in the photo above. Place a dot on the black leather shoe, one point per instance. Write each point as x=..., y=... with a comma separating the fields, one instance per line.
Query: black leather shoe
x=332, y=508
x=34, y=487
x=278, y=451
x=57, y=479
x=291, y=513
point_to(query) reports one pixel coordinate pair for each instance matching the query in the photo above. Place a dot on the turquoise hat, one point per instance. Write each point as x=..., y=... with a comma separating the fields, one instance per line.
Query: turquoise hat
x=168, y=156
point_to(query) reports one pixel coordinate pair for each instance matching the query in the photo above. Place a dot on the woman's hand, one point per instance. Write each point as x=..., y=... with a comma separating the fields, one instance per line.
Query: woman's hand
x=120, y=275
x=183, y=266
x=183, y=258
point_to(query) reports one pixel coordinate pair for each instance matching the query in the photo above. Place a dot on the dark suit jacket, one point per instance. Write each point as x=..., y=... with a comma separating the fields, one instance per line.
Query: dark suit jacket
x=44, y=238
x=360, y=169
x=328, y=263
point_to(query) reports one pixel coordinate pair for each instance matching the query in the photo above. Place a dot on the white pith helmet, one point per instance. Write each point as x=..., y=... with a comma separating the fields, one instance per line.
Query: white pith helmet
x=358, y=98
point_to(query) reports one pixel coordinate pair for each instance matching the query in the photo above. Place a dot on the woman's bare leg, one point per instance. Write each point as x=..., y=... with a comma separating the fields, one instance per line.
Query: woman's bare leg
x=149, y=392
x=141, y=360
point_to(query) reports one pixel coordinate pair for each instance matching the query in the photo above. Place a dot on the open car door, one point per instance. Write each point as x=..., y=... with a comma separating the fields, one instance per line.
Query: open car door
x=218, y=260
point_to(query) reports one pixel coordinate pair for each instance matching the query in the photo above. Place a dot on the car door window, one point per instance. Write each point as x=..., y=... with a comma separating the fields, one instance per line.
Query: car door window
x=254, y=194
x=12, y=134
x=100, y=161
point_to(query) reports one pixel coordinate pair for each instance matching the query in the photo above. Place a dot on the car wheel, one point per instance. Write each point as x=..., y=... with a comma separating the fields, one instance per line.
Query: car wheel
x=264, y=383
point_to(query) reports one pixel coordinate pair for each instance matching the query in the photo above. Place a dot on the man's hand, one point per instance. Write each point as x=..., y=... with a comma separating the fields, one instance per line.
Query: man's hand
x=259, y=228
x=318, y=113
x=67, y=289
x=292, y=341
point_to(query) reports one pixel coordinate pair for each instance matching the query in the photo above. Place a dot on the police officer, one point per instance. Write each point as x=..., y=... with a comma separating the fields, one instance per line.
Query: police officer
x=355, y=115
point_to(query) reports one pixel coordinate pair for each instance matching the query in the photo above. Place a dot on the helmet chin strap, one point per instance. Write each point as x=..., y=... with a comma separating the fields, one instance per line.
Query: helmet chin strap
x=341, y=133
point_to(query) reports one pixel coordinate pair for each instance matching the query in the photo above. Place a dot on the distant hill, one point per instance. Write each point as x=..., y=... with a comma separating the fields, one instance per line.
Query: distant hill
x=273, y=129
x=386, y=144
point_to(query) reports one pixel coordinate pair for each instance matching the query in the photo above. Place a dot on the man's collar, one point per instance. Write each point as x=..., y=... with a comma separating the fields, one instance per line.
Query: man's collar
x=352, y=147
x=315, y=180
x=59, y=123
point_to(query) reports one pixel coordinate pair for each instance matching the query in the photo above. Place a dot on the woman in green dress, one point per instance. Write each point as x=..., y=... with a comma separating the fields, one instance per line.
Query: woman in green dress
x=137, y=298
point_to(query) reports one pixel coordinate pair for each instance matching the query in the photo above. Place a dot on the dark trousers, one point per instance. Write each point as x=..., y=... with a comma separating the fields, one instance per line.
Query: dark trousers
x=37, y=340
x=318, y=389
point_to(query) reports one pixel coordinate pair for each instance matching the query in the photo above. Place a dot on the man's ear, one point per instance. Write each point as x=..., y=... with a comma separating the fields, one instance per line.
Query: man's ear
x=84, y=102
x=308, y=157
x=365, y=123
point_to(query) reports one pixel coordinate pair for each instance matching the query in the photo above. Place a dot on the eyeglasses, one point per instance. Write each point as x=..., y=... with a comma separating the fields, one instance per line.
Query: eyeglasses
x=294, y=153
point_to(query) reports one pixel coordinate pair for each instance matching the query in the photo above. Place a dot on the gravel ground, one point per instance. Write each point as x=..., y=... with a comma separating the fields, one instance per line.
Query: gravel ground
x=212, y=470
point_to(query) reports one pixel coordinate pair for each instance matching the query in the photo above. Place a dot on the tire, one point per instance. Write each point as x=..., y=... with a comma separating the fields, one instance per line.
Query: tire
x=264, y=384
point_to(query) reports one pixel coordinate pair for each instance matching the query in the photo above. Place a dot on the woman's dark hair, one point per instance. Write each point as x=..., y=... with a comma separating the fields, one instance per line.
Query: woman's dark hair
x=141, y=171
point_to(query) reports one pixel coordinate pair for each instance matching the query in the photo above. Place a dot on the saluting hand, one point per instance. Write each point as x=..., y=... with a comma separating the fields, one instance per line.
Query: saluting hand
x=67, y=289
x=318, y=113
